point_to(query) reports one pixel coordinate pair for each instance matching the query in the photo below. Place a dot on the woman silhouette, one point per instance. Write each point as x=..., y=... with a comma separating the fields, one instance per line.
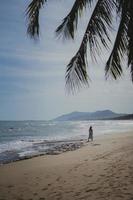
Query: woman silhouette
x=90, y=134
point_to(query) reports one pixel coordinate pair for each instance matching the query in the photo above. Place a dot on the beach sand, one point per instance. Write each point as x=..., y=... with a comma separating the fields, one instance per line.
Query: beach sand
x=102, y=169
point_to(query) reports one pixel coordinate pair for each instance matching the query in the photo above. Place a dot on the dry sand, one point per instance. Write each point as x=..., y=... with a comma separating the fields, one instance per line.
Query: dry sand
x=103, y=169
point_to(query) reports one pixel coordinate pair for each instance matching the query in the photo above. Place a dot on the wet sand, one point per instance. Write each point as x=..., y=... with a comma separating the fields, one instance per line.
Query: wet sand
x=102, y=169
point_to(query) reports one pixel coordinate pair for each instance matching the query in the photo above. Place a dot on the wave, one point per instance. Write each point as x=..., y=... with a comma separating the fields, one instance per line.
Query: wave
x=28, y=138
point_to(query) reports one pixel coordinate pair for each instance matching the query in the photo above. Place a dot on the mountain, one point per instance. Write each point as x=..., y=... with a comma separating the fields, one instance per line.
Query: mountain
x=124, y=117
x=80, y=116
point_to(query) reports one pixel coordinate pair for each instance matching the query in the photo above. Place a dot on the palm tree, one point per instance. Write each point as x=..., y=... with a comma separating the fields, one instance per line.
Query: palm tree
x=96, y=36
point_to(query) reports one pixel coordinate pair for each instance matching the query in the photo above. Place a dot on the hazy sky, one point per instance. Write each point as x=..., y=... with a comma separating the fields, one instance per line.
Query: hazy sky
x=32, y=75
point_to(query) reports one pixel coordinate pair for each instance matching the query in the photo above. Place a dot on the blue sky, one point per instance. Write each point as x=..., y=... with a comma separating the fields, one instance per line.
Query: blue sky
x=32, y=74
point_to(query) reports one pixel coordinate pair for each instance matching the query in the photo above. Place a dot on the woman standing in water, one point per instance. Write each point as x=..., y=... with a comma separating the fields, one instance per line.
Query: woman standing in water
x=90, y=134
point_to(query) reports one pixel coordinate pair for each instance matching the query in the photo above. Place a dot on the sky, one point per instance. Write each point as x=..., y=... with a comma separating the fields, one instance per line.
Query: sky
x=32, y=74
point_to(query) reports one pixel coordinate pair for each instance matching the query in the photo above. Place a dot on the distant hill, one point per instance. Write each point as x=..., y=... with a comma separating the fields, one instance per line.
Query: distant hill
x=80, y=116
x=125, y=117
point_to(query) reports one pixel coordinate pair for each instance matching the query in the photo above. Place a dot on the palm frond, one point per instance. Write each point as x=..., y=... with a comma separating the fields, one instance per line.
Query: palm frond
x=76, y=73
x=113, y=65
x=32, y=13
x=69, y=24
x=101, y=19
x=130, y=37
x=131, y=71
x=119, y=4
x=99, y=26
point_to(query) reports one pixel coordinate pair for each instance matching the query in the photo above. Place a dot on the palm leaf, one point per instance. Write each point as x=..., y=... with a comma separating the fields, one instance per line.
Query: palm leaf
x=69, y=24
x=113, y=65
x=119, y=4
x=96, y=32
x=32, y=13
x=76, y=73
x=130, y=37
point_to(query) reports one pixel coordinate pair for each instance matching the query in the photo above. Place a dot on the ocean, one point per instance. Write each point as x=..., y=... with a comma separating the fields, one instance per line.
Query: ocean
x=24, y=139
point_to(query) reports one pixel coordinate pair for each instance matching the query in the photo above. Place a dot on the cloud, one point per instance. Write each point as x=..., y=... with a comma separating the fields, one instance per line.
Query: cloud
x=32, y=75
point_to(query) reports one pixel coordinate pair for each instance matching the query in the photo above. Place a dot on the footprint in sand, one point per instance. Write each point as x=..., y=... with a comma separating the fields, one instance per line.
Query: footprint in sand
x=102, y=175
x=86, y=160
x=10, y=186
x=77, y=194
x=124, y=188
x=35, y=194
x=89, y=176
x=44, y=189
x=58, y=179
x=93, y=189
x=70, y=171
x=96, y=144
x=77, y=166
x=105, y=169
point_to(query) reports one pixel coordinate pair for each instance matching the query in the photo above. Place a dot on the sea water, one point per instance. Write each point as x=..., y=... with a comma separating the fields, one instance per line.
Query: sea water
x=20, y=139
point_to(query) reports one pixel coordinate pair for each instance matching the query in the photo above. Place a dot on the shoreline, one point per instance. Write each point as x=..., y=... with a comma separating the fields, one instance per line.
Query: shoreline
x=99, y=170
x=57, y=147
x=21, y=141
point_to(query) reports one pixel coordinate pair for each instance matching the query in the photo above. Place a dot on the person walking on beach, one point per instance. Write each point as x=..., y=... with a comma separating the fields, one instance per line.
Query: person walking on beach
x=90, y=134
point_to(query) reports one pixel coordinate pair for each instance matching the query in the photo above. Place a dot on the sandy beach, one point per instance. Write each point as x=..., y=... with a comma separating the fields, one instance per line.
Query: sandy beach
x=102, y=169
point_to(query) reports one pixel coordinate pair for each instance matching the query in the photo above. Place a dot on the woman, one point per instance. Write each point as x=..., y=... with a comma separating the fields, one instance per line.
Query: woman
x=90, y=134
